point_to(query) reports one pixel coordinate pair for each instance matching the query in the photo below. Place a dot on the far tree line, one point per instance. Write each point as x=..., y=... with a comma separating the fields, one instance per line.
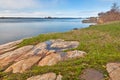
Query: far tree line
x=112, y=15
x=103, y=17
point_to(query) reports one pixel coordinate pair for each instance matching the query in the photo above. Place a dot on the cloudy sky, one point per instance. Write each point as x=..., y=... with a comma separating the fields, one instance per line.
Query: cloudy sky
x=54, y=8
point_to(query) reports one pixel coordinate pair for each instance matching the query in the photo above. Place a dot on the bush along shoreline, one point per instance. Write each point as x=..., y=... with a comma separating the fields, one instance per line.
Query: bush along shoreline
x=91, y=53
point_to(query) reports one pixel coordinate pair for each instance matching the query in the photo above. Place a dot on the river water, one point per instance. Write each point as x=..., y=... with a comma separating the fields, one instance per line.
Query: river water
x=15, y=29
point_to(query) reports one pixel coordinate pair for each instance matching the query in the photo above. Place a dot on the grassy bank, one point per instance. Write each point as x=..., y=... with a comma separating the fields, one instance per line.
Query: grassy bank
x=101, y=42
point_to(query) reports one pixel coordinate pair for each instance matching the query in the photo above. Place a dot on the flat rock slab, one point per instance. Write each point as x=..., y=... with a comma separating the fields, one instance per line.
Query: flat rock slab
x=75, y=54
x=10, y=57
x=23, y=65
x=50, y=60
x=19, y=60
x=61, y=45
x=9, y=46
x=113, y=70
x=47, y=76
x=91, y=74
x=72, y=54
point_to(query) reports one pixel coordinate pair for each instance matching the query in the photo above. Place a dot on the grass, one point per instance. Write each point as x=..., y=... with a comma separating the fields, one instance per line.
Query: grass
x=101, y=42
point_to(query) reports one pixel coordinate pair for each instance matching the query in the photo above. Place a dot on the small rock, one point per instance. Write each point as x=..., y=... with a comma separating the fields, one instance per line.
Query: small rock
x=91, y=74
x=75, y=28
x=47, y=76
x=114, y=71
x=59, y=77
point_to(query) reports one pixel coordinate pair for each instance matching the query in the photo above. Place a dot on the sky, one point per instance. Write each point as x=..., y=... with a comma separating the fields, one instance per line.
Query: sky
x=54, y=8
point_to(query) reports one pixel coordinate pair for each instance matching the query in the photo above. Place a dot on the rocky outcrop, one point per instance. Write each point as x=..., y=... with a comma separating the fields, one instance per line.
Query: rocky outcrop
x=90, y=20
x=9, y=46
x=91, y=74
x=47, y=76
x=113, y=70
x=45, y=53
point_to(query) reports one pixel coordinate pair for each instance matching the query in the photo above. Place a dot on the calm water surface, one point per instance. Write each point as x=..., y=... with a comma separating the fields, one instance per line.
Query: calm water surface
x=15, y=29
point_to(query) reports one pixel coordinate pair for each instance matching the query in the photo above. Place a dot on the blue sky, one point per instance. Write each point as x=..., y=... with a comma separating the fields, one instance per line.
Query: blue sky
x=54, y=8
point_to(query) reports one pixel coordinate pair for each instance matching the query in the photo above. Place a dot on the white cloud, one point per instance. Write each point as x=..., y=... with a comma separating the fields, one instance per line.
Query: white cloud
x=27, y=4
x=17, y=4
x=11, y=8
x=8, y=13
x=22, y=14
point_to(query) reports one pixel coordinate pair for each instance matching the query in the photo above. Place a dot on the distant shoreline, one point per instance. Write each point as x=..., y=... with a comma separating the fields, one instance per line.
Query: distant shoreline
x=38, y=18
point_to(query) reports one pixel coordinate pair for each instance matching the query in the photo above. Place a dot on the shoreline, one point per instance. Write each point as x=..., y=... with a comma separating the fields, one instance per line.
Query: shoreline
x=44, y=33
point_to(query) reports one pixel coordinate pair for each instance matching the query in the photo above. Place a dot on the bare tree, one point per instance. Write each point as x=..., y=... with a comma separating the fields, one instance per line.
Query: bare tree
x=115, y=8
